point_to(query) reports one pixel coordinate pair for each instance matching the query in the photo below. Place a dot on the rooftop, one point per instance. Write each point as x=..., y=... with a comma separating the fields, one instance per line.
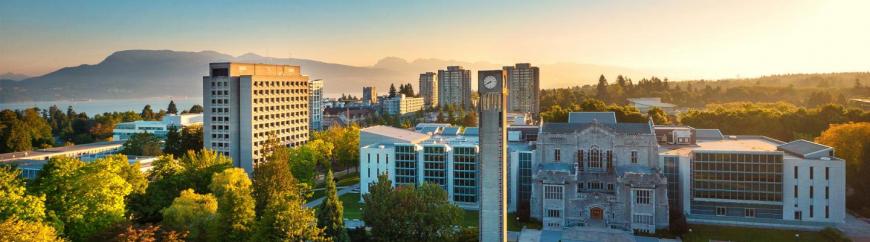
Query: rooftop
x=59, y=150
x=397, y=133
x=628, y=128
x=592, y=117
x=651, y=101
x=803, y=148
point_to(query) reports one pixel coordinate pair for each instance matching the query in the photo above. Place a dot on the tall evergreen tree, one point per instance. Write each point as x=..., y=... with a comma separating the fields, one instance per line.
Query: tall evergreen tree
x=602, y=89
x=392, y=90
x=330, y=213
x=196, y=108
x=172, y=109
x=147, y=113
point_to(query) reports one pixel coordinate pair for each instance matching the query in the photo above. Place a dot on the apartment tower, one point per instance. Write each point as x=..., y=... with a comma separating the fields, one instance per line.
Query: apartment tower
x=429, y=89
x=523, y=81
x=454, y=87
x=247, y=104
x=315, y=104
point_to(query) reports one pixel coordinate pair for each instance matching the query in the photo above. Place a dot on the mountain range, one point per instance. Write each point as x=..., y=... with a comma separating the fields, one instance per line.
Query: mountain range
x=166, y=73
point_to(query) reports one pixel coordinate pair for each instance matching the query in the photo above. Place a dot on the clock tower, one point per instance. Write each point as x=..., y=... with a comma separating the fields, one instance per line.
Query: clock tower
x=492, y=155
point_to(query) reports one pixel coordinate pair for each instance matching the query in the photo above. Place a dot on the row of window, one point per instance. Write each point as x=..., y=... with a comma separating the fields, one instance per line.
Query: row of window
x=279, y=99
x=812, y=173
x=280, y=83
x=281, y=91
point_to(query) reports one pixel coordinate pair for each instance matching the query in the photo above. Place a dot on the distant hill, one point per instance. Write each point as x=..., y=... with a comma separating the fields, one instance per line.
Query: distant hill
x=160, y=73
x=13, y=76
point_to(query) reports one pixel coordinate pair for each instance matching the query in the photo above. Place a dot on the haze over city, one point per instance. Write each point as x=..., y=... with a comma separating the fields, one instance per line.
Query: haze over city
x=677, y=39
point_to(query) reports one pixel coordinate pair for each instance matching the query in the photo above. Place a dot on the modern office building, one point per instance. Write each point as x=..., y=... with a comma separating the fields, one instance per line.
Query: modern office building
x=752, y=180
x=315, y=105
x=493, y=155
x=597, y=172
x=454, y=87
x=401, y=105
x=82, y=151
x=248, y=104
x=429, y=89
x=123, y=131
x=645, y=104
x=523, y=81
x=370, y=96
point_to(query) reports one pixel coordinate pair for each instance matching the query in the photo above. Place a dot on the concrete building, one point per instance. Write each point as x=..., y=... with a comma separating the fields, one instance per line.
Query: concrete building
x=523, y=81
x=82, y=151
x=247, y=104
x=752, y=180
x=596, y=172
x=429, y=89
x=315, y=105
x=402, y=105
x=454, y=87
x=123, y=131
x=646, y=103
x=493, y=163
x=370, y=96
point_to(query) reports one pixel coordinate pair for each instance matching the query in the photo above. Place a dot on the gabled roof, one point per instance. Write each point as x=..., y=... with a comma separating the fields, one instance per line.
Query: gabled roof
x=592, y=117
x=625, y=128
x=802, y=148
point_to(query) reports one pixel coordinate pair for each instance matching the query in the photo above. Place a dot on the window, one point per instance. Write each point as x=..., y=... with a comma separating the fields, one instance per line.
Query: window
x=811, y=211
x=610, y=186
x=554, y=213
x=795, y=172
x=557, y=154
x=642, y=196
x=642, y=219
x=795, y=191
x=749, y=212
x=797, y=215
x=827, y=192
x=633, y=157
x=811, y=194
x=594, y=158
x=827, y=212
x=827, y=173
x=580, y=186
x=721, y=211
x=811, y=175
x=553, y=192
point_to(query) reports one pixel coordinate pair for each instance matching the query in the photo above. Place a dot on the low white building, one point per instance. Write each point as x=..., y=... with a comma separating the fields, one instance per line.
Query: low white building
x=401, y=105
x=645, y=104
x=752, y=180
x=123, y=131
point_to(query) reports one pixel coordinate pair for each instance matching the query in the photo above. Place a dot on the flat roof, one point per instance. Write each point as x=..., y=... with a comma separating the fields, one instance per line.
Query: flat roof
x=59, y=150
x=397, y=133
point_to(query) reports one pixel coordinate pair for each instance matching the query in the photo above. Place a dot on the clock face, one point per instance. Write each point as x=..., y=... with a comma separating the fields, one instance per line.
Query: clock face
x=489, y=82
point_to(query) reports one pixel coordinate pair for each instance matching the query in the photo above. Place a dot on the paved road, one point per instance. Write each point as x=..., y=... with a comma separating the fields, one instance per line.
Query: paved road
x=341, y=191
x=855, y=229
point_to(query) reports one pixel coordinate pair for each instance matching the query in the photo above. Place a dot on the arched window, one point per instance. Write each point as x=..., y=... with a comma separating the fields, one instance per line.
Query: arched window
x=581, y=158
x=594, y=157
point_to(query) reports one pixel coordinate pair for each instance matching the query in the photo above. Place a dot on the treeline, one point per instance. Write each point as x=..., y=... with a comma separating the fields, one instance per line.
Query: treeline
x=35, y=128
x=781, y=121
x=405, y=89
x=198, y=196
x=811, y=90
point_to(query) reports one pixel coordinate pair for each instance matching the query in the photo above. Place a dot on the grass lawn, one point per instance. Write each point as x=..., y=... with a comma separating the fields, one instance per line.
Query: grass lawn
x=471, y=220
x=705, y=233
x=352, y=206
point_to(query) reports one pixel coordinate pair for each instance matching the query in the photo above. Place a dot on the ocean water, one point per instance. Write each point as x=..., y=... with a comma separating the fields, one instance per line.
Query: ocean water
x=92, y=107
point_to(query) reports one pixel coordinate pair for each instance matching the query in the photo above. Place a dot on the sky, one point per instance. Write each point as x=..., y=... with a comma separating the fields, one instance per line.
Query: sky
x=691, y=39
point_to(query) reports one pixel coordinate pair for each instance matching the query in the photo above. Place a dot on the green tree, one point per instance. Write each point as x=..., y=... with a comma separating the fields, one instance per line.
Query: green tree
x=273, y=179
x=235, y=212
x=406, y=213
x=144, y=144
x=287, y=219
x=173, y=142
x=330, y=213
x=14, y=200
x=14, y=229
x=196, y=108
x=172, y=108
x=392, y=92
x=601, y=93
x=658, y=116
x=147, y=113
x=191, y=212
x=191, y=138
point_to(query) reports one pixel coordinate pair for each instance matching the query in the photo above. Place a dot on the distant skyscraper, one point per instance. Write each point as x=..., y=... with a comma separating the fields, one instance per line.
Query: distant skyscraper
x=315, y=104
x=493, y=167
x=247, y=104
x=370, y=95
x=429, y=89
x=454, y=87
x=523, y=83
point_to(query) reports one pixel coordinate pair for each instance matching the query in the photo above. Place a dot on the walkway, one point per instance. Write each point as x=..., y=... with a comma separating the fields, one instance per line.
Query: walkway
x=855, y=228
x=582, y=234
x=341, y=191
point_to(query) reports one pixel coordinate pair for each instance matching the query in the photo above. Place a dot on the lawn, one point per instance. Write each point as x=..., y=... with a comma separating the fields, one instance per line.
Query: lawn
x=352, y=206
x=705, y=233
x=471, y=220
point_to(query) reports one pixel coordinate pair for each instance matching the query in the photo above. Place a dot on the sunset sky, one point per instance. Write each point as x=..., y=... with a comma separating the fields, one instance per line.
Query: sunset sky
x=690, y=39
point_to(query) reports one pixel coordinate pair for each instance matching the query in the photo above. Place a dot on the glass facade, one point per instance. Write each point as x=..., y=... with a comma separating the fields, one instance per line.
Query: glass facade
x=672, y=173
x=736, y=182
x=435, y=165
x=406, y=165
x=524, y=188
x=465, y=174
